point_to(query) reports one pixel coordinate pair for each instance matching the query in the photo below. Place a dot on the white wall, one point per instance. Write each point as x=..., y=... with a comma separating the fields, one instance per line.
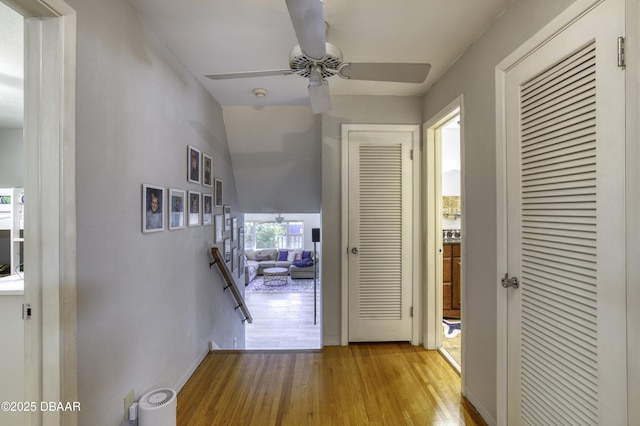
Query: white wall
x=473, y=76
x=276, y=156
x=147, y=303
x=347, y=110
x=12, y=155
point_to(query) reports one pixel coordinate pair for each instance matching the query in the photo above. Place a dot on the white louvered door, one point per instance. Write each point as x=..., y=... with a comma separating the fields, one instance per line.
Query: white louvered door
x=565, y=183
x=380, y=230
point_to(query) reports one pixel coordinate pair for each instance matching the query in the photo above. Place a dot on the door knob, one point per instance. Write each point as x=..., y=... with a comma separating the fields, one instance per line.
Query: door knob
x=354, y=250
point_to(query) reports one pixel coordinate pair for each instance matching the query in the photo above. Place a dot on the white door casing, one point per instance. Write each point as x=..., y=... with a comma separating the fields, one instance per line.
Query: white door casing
x=564, y=124
x=378, y=238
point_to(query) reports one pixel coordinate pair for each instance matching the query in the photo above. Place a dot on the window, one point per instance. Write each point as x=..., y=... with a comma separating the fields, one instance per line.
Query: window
x=260, y=235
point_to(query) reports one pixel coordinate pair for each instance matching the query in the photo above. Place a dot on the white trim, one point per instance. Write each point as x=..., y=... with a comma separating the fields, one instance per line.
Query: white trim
x=633, y=207
x=187, y=375
x=344, y=276
x=49, y=143
x=558, y=24
x=482, y=410
x=432, y=227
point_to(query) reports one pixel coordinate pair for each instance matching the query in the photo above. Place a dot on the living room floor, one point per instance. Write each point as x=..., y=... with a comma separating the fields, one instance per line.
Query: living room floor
x=282, y=321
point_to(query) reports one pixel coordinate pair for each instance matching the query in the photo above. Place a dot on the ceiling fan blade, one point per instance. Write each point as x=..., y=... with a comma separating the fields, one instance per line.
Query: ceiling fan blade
x=248, y=74
x=307, y=17
x=401, y=73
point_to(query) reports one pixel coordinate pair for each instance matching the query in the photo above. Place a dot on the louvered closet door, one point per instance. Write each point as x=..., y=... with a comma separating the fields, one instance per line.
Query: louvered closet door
x=565, y=153
x=380, y=205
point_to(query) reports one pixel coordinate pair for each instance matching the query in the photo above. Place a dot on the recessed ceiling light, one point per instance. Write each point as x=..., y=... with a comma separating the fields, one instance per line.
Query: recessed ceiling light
x=259, y=92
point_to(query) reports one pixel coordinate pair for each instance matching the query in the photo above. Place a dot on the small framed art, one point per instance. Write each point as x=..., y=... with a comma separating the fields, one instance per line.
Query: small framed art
x=218, y=193
x=207, y=170
x=234, y=259
x=240, y=265
x=241, y=239
x=234, y=229
x=227, y=250
x=227, y=218
x=219, y=225
x=194, y=208
x=207, y=209
x=153, y=206
x=193, y=164
x=176, y=209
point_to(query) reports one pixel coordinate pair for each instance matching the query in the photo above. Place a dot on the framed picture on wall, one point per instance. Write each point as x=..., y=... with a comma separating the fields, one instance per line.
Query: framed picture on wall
x=234, y=229
x=176, y=209
x=153, y=206
x=193, y=164
x=218, y=193
x=219, y=225
x=194, y=208
x=227, y=218
x=207, y=209
x=240, y=265
x=234, y=259
x=227, y=250
x=207, y=170
x=241, y=239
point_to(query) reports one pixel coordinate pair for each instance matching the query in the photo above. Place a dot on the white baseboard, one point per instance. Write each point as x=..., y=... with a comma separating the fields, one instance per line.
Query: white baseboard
x=491, y=421
x=213, y=346
x=187, y=375
x=331, y=341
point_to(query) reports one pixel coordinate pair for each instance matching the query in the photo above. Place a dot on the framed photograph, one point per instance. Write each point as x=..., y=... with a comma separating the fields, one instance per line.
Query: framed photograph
x=207, y=170
x=234, y=259
x=227, y=218
x=193, y=164
x=176, y=209
x=241, y=239
x=218, y=193
x=219, y=225
x=240, y=265
x=207, y=209
x=227, y=250
x=153, y=206
x=234, y=229
x=194, y=208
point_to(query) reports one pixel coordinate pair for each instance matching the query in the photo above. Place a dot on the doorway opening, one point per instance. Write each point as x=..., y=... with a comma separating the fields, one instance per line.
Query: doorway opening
x=444, y=220
x=282, y=281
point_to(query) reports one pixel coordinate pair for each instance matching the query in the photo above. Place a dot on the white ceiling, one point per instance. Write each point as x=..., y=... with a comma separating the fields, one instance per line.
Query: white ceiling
x=11, y=68
x=221, y=36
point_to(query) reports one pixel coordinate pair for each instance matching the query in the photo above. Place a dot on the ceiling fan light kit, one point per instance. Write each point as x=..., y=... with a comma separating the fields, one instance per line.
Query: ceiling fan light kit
x=317, y=60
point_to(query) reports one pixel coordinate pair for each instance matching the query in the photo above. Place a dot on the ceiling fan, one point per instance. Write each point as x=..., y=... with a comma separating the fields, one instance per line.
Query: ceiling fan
x=317, y=60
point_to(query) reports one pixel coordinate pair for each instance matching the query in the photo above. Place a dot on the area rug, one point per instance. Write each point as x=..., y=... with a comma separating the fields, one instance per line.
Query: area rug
x=451, y=328
x=292, y=286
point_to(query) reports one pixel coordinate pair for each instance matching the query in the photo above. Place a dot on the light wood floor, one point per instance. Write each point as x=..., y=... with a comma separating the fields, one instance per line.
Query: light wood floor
x=359, y=384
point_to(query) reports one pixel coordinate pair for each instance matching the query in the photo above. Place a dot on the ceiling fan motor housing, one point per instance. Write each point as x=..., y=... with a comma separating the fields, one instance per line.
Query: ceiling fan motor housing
x=301, y=64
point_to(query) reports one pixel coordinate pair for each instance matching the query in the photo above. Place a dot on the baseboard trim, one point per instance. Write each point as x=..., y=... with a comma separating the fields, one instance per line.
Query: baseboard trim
x=479, y=408
x=187, y=375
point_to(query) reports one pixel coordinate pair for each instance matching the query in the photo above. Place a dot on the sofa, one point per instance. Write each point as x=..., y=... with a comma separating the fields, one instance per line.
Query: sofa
x=256, y=261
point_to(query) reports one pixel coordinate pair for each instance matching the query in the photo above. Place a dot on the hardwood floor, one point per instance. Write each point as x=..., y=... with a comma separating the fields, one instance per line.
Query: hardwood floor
x=359, y=384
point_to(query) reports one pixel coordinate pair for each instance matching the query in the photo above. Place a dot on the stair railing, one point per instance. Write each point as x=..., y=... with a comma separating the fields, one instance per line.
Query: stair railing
x=230, y=283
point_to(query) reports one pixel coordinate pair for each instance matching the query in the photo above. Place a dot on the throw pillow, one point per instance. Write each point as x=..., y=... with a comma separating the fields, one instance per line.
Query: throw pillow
x=298, y=256
x=282, y=255
x=291, y=256
x=306, y=255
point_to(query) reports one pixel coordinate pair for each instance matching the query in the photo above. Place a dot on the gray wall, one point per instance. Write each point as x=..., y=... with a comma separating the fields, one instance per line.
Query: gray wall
x=147, y=303
x=347, y=110
x=473, y=76
x=276, y=158
x=12, y=154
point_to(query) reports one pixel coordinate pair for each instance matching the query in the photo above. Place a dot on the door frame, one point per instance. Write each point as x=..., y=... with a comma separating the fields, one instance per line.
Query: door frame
x=50, y=234
x=562, y=21
x=432, y=227
x=415, y=243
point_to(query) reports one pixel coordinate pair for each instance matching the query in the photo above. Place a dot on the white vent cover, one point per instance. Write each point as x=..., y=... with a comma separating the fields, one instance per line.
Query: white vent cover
x=158, y=408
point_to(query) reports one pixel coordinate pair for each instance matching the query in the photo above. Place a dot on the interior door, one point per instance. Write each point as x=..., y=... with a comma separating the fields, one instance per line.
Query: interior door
x=380, y=203
x=565, y=181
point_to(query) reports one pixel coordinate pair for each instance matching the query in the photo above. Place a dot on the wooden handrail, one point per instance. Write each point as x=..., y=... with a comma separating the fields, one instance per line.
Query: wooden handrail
x=230, y=282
